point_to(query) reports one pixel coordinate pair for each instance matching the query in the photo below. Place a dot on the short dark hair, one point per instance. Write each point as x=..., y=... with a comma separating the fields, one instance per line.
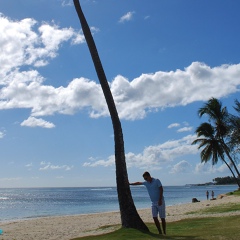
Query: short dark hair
x=146, y=174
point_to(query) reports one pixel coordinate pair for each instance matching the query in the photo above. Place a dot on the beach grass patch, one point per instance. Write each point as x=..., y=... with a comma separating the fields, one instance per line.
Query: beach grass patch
x=231, y=207
x=206, y=228
x=236, y=193
x=223, y=208
x=198, y=228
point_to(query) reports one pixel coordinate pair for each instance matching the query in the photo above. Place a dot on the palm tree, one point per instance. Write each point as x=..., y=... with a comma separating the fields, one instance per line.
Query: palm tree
x=216, y=113
x=219, y=116
x=129, y=215
x=212, y=148
x=235, y=129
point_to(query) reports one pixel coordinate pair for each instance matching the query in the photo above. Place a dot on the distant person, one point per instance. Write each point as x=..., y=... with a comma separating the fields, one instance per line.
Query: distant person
x=212, y=194
x=207, y=194
x=155, y=191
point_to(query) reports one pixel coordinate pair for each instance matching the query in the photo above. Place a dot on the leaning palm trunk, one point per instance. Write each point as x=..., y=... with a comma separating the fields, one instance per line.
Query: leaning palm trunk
x=129, y=215
x=236, y=178
x=226, y=149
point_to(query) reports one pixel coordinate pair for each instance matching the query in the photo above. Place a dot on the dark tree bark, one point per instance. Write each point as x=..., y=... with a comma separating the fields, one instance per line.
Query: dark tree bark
x=129, y=215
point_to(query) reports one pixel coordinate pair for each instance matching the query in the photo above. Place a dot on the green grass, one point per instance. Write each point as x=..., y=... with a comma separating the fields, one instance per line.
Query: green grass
x=223, y=208
x=201, y=228
x=237, y=193
x=206, y=228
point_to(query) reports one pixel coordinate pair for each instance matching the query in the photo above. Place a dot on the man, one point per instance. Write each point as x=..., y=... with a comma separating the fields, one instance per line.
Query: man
x=207, y=194
x=212, y=194
x=155, y=191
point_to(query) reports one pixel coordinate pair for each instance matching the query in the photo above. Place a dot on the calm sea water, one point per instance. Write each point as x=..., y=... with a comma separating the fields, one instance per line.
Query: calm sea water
x=22, y=203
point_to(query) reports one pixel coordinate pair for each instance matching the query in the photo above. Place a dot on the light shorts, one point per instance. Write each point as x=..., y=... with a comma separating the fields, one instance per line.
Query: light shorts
x=161, y=210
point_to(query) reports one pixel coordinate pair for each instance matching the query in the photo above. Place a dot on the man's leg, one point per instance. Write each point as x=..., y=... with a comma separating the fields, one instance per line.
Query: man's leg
x=164, y=225
x=157, y=223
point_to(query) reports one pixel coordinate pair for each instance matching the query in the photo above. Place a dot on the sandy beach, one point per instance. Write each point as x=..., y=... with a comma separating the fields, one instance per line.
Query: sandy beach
x=68, y=227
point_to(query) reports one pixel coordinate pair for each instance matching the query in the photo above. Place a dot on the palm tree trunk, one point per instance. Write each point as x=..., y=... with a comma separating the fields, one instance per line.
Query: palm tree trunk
x=129, y=215
x=225, y=147
x=236, y=178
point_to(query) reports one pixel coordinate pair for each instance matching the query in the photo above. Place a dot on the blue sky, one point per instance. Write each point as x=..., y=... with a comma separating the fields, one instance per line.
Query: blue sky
x=163, y=59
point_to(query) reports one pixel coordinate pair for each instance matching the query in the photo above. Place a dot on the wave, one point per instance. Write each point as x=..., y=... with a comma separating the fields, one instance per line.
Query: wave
x=101, y=189
x=4, y=198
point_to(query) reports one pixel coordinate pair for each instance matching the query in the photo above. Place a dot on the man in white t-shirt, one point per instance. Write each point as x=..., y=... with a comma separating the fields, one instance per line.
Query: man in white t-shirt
x=155, y=191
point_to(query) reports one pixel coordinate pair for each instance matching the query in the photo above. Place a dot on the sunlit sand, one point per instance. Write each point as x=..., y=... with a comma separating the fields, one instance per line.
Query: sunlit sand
x=67, y=227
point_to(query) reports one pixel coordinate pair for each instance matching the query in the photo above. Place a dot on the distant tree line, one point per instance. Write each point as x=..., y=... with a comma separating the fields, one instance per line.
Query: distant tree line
x=224, y=180
x=219, y=138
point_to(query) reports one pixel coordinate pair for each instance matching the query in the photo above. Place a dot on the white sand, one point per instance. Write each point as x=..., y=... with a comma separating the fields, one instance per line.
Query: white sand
x=68, y=227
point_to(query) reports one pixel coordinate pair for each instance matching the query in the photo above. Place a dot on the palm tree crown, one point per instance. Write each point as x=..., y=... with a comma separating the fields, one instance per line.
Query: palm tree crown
x=212, y=137
x=211, y=146
x=217, y=114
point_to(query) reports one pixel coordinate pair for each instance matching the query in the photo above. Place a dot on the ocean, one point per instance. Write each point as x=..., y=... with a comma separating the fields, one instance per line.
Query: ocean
x=25, y=203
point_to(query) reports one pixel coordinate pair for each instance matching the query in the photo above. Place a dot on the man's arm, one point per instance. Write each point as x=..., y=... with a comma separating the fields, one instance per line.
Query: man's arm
x=160, y=196
x=136, y=183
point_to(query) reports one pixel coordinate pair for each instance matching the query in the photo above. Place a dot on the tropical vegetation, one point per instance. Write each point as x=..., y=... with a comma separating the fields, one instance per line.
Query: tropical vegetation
x=219, y=137
x=224, y=180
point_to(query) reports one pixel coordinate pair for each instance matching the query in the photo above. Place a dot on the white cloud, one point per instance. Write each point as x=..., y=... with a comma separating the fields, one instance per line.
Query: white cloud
x=223, y=168
x=10, y=179
x=67, y=3
x=49, y=166
x=173, y=125
x=153, y=156
x=181, y=167
x=29, y=165
x=198, y=82
x=105, y=163
x=2, y=134
x=207, y=168
x=23, y=44
x=203, y=168
x=127, y=17
x=185, y=129
x=37, y=122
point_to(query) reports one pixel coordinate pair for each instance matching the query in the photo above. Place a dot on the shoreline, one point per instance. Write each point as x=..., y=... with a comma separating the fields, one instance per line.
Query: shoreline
x=72, y=226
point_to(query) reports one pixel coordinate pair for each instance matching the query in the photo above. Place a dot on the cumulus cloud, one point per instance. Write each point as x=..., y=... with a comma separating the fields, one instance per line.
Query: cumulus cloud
x=181, y=167
x=173, y=125
x=126, y=17
x=28, y=43
x=207, y=168
x=2, y=134
x=29, y=165
x=105, y=163
x=152, y=156
x=185, y=129
x=23, y=44
x=37, y=122
x=159, y=90
x=48, y=166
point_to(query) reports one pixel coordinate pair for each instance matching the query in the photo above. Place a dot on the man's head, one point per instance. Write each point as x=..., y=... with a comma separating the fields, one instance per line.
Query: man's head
x=146, y=176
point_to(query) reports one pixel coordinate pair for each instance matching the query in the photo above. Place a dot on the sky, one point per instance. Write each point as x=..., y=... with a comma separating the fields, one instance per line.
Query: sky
x=163, y=60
